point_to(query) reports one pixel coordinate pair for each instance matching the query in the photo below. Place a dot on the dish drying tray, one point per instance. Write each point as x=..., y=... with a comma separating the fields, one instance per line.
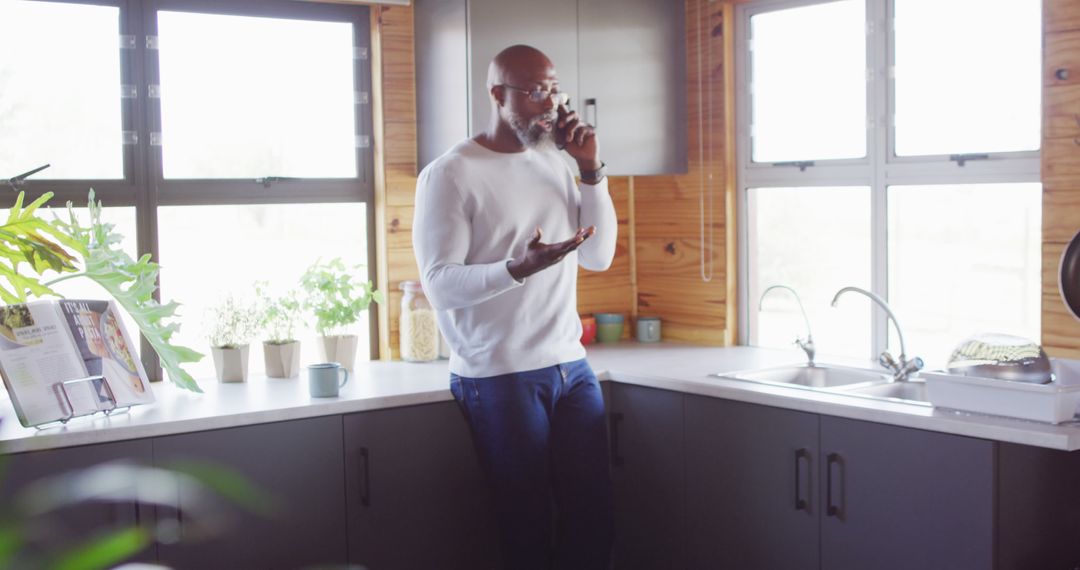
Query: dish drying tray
x=1051, y=403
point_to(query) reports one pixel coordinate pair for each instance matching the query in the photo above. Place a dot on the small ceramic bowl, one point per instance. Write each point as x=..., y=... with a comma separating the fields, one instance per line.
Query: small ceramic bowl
x=609, y=318
x=609, y=332
x=588, y=329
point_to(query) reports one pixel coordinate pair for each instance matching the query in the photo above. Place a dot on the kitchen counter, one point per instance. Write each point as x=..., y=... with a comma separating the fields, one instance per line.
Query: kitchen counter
x=378, y=385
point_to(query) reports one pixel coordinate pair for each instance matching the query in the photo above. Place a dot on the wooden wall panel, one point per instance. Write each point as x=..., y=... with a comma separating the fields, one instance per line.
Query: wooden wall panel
x=670, y=247
x=1061, y=15
x=1060, y=168
x=396, y=150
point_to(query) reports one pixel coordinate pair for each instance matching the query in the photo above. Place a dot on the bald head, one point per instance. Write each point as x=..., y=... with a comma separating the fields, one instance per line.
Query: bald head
x=520, y=65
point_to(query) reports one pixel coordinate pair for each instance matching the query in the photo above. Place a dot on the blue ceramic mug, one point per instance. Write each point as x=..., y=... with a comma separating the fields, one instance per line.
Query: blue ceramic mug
x=326, y=379
x=648, y=329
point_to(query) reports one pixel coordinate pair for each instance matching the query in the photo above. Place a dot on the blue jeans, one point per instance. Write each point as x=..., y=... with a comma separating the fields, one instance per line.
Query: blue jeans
x=539, y=432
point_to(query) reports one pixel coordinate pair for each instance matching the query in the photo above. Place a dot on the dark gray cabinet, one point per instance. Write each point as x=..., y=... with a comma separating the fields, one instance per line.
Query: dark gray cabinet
x=901, y=498
x=623, y=63
x=298, y=464
x=772, y=489
x=750, y=486
x=73, y=525
x=646, y=430
x=415, y=493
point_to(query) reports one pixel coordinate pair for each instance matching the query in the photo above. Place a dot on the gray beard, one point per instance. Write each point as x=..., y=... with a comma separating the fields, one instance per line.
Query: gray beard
x=532, y=136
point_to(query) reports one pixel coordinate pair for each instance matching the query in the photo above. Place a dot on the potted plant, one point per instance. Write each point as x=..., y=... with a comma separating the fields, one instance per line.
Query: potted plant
x=337, y=300
x=277, y=319
x=232, y=325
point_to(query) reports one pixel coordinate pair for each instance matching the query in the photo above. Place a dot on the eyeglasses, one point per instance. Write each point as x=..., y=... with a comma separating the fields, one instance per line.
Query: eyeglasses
x=538, y=95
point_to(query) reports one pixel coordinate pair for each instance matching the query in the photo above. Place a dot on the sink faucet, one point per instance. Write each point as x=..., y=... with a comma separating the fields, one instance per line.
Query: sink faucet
x=901, y=367
x=806, y=345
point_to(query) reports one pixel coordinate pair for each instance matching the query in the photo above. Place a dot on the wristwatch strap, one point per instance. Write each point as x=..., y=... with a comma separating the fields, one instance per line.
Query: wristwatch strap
x=594, y=176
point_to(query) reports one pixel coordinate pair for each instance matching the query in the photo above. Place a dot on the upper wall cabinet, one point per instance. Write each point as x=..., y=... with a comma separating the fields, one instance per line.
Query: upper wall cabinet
x=623, y=62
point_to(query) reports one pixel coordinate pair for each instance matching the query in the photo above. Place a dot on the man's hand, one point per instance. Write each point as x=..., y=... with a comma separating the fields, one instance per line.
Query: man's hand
x=578, y=139
x=540, y=256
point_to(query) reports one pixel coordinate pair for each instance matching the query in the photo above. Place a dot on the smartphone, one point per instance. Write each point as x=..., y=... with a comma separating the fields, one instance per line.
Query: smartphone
x=562, y=106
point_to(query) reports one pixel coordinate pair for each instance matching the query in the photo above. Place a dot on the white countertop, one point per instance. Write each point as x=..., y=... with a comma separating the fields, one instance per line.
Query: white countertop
x=376, y=385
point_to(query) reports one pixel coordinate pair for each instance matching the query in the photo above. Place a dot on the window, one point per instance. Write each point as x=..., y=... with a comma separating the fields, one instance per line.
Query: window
x=872, y=151
x=58, y=105
x=229, y=139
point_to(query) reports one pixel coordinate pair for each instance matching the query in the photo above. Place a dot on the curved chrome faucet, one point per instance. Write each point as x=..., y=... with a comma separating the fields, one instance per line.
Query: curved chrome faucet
x=902, y=367
x=806, y=345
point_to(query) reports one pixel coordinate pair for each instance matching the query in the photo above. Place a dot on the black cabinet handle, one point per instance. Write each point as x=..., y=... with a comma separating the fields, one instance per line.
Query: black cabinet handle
x=801, y=504
x=616, y=459
x=831, y=509
x=365, y=485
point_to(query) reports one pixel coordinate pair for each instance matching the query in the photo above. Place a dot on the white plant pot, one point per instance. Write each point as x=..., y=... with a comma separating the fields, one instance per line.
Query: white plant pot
x=231, y=364
x=282, y=360
x=340, y=349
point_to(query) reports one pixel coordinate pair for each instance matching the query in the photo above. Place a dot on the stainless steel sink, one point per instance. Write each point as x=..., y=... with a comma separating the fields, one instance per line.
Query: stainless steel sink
x=818, y=376
x=841, y=380
x=910, y=391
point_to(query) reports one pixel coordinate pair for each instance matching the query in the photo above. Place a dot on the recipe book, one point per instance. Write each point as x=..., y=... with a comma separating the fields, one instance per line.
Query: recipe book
x=45, y=344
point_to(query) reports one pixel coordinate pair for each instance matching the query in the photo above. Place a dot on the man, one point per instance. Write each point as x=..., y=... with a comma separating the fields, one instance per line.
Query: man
x=507, y=300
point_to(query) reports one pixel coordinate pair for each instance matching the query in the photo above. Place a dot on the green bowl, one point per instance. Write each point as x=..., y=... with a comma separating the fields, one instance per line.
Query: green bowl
x=609, y=332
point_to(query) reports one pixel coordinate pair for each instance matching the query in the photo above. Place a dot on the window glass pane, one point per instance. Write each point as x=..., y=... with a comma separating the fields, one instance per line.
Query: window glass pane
x=82, y=288
x=808, y=83
x=60, y=91
x=246, y=97
x=968, y=76
x=815, y=240
x=964, y=259
x=210, y=251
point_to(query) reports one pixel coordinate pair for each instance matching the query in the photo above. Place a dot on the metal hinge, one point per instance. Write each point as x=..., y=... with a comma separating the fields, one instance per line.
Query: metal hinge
x=153, y=91
x=363, y=141
x=129, y=137
x=129, y=92
x=127, y=42
x=360, y=53
x=155, y=139
x=152, y=42
x=361, y=98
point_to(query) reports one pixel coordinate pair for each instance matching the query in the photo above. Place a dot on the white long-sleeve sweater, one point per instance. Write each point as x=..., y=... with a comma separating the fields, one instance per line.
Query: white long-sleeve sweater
x=476, y=209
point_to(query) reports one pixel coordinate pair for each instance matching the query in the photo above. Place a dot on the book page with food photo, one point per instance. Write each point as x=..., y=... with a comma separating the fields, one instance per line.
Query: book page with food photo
x=46, y=344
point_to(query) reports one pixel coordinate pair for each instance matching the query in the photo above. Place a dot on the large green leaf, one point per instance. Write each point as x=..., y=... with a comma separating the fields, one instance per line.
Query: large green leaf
x=132, y=283
x=26, y=238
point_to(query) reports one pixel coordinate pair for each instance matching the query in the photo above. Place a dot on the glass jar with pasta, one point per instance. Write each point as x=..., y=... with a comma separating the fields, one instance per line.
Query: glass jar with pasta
x=419, y=332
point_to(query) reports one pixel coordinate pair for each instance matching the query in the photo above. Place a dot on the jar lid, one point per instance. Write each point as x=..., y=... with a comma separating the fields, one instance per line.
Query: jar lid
x=413, y=286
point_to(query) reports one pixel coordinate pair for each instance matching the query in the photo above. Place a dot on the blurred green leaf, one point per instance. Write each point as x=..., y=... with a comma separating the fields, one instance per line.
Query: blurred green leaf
x=104, y=551
x=229, y=484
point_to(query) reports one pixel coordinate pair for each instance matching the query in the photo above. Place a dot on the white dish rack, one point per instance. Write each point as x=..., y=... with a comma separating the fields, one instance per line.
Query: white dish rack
x=1053, y=403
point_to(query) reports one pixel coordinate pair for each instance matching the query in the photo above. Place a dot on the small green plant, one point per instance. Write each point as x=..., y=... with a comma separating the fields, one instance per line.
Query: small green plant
x=233, y=323
x=278, y=316
x=334, y=297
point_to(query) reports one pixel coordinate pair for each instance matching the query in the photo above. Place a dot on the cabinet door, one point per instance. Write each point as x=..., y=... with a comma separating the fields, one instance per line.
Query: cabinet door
x=550, y=26
x=298, y=464
x=633, y=71
x=647, y=473
x=416, y=495
x=900, y=498
x=750, y=486
x=74, y=524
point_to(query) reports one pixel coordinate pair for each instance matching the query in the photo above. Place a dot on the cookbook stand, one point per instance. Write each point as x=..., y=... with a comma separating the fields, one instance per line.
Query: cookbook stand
x=105, y=401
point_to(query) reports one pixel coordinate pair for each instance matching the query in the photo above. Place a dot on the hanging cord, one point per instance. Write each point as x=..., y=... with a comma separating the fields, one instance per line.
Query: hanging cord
x=706, y=171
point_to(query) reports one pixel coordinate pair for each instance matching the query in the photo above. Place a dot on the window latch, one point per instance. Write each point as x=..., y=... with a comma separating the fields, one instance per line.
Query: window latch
x=960, y=159
x=802, y=164
x=268, y=180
